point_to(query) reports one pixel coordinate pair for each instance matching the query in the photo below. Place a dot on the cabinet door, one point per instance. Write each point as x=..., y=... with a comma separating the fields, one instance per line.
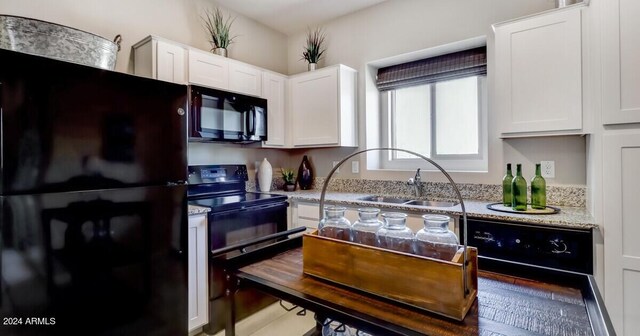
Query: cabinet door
x=170, y=64
x=621, y=230
x=245, y=79
x=621, y=62
x=539, y=73
x=273, y=88
x=197, y=277
x=314, y=108
x=208, y=70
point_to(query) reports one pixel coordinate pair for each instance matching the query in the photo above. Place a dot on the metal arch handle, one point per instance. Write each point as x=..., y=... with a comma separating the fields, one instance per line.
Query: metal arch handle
x=118, y=41
x=444, y=172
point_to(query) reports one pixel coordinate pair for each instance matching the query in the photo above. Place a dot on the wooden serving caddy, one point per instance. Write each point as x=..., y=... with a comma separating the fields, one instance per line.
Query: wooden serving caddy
x=430, y=284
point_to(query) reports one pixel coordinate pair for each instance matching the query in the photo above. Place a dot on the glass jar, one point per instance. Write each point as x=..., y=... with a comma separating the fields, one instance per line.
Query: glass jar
x=364, y=229
x=395, y=235
x=334, y=224
x=435, y=240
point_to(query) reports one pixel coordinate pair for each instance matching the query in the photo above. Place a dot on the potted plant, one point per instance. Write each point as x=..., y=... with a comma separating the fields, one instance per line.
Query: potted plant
x=219, y=30
x=289, y=179
x=314, y=48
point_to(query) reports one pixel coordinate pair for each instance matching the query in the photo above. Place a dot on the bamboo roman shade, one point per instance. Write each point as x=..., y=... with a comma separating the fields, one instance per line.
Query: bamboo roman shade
x=466, y=63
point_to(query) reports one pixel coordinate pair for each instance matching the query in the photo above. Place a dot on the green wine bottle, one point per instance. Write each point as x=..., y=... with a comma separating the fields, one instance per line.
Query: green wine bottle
x=519, y=190
x=506, y=187
x=538, y=190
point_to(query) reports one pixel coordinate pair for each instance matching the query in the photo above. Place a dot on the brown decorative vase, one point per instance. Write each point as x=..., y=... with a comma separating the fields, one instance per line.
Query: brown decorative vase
x=305, y=174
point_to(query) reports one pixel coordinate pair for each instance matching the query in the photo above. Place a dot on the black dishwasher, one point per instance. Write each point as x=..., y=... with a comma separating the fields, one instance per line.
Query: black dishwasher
x=531, y=244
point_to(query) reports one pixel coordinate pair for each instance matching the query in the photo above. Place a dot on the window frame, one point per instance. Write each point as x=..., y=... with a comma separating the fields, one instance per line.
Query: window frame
x=452, y=162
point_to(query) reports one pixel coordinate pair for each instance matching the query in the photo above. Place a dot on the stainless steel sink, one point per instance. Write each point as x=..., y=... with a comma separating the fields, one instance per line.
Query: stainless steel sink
x=385, y=199
x=406, y=201
x=442, y=204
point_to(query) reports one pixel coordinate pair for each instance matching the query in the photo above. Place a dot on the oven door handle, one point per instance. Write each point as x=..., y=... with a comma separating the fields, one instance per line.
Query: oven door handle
x=240, y=246
x=251, y=208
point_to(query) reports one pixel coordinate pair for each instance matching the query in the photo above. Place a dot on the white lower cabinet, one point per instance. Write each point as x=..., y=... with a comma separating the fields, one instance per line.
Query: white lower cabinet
x=621, y=230
x=197, y=274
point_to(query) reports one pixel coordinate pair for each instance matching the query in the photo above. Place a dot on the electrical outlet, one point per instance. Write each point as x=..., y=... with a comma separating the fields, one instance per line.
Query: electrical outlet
x=335, y=163
x=548, y=169
x=355, y=167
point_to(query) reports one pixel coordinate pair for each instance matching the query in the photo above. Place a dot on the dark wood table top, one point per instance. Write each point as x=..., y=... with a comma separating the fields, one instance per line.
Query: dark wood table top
x=506, y=305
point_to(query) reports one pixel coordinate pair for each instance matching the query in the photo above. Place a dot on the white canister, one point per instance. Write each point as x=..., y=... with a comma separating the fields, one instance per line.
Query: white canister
x=265, y=174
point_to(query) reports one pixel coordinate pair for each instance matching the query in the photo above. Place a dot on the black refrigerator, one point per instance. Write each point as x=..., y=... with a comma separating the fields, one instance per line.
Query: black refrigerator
x=92, y=164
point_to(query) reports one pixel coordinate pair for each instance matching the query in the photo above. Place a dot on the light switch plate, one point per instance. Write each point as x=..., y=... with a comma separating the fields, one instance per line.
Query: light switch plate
x=548, y=169
x=355, y=167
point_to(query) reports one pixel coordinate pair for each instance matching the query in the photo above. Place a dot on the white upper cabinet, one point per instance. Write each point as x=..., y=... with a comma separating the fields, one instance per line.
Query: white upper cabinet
x=159, y=59
x=245, y=78
x=274, y=88
x=207, y=69
x=219, y=72
x=538, y=73
x=621, y=62
x=171, y=63
x=323, y=107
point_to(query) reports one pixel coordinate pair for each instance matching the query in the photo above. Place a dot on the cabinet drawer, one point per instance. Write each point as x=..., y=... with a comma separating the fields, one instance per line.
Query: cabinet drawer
x=308, y=211
x=310, y=223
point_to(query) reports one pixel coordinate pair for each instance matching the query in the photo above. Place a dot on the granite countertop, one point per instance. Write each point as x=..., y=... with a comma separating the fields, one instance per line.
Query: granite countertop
x=196, y=210
x=568, y=217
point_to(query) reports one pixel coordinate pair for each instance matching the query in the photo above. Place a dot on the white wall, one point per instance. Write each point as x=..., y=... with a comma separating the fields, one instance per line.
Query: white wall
x=177, y=20
x=207, y=153
x=397, y=27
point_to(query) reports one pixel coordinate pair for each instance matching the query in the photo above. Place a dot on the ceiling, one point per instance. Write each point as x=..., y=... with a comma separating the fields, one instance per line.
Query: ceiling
x=292, y=16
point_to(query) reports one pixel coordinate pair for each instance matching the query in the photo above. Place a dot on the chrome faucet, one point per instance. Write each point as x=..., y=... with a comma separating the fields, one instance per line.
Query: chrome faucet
x=416, y=182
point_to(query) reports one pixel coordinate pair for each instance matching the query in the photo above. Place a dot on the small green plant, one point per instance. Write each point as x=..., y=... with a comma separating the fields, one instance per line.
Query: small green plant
x=314, y=48
x=219, y=28
x=288, y=176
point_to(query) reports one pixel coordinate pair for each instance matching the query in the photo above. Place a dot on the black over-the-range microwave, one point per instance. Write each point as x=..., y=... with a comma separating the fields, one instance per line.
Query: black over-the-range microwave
x=217, y=115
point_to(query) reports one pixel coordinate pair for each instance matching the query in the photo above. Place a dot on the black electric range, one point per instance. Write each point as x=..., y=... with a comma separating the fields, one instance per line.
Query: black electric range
x=237, y=217
x=223, y=187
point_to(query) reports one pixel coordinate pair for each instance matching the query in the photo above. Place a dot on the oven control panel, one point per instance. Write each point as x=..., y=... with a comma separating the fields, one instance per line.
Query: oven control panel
x=213, y=173
x=217, y=173
x=565, y=249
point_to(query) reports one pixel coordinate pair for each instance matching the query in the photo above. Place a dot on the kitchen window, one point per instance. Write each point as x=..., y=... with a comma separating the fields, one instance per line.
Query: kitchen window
x=441, y=115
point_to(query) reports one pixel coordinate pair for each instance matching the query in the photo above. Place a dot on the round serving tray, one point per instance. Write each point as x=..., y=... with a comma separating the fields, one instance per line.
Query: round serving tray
x=549, y=210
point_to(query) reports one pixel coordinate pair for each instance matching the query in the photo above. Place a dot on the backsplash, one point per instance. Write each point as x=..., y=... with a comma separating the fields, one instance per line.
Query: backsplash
x=574, y=196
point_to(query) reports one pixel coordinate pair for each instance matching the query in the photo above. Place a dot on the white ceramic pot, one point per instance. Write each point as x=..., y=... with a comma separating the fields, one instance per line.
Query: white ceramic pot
x=265, y=174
